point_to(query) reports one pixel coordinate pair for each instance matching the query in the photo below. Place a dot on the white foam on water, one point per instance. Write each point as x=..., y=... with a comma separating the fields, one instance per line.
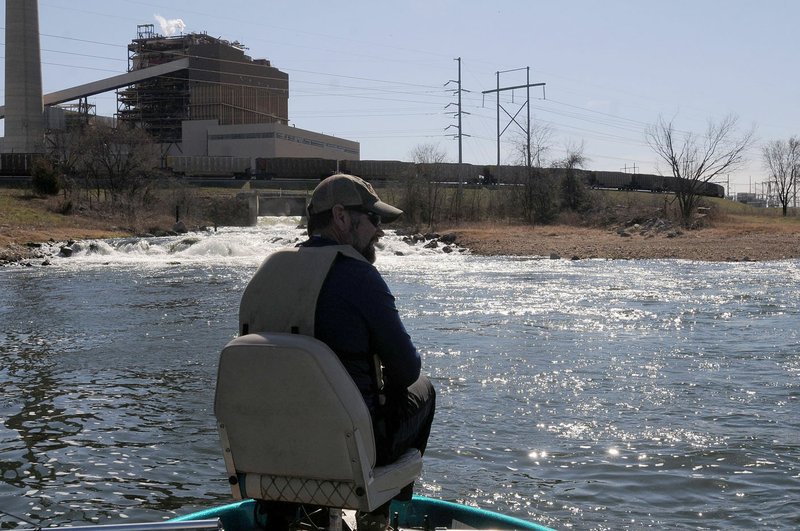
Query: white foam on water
x=233, y=244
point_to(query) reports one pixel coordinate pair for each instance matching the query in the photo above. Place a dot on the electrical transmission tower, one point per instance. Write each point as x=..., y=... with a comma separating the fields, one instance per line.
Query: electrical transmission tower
x=456, y=205
x=459, y=112
x=513, y=118
x=626, y=168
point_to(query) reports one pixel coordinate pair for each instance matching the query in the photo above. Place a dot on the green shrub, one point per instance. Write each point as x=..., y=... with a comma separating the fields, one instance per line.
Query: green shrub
x=44, y=178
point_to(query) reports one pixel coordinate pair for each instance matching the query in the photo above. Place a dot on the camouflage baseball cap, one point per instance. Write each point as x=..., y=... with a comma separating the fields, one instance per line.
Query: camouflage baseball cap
x=350, y=191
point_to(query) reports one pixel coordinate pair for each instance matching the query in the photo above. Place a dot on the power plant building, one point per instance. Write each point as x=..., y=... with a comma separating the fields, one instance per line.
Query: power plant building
x=221, y=83
x=195, y=95
x=223, y=104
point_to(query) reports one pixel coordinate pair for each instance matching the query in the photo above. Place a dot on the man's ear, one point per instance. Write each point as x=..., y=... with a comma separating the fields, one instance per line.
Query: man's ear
x=340, y=218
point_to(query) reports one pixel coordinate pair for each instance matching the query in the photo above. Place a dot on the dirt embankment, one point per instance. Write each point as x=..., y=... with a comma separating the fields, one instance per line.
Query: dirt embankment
x=728, y=242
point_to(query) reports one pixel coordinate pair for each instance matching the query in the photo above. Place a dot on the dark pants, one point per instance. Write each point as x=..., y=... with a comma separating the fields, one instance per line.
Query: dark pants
x=405, y=421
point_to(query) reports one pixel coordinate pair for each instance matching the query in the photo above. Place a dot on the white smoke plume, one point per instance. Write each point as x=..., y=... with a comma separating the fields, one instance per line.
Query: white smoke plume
x=170, y=27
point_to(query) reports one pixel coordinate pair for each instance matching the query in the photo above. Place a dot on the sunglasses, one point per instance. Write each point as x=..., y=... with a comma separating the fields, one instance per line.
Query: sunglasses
x=373, y=218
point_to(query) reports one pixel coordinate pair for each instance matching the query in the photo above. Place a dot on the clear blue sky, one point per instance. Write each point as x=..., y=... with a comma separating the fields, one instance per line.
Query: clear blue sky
x=374, y=71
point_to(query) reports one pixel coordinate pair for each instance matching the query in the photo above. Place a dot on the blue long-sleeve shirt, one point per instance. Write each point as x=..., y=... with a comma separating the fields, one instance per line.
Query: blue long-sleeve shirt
x=357, y=318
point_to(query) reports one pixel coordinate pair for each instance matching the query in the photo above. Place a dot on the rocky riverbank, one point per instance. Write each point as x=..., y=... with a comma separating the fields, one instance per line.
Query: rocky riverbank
x=25, y=246
x=38, y=251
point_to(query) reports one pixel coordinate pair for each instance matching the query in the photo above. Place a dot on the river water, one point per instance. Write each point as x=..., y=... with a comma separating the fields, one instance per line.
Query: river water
x=590, y=394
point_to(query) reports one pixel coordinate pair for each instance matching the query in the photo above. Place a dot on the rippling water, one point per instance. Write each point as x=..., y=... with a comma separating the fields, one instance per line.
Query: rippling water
x=588, y=394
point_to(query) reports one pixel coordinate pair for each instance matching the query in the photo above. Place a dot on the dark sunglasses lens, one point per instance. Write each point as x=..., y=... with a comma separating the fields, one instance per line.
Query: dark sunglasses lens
x=374, y=218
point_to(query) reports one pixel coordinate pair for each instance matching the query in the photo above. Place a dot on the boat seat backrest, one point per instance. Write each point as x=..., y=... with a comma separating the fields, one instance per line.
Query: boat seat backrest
x=294, y=426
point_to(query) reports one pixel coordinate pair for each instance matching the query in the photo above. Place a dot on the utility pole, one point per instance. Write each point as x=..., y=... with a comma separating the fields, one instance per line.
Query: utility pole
x=513, y=118
x=458, y=113
x=460, y=152
x=460, y=135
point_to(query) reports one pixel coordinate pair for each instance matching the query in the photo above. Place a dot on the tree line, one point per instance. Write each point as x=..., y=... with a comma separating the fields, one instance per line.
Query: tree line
x=115, y=172
x=119, y=167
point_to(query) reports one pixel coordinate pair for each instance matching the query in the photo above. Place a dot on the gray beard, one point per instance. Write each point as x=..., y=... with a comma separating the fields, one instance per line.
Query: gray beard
x=368, y=252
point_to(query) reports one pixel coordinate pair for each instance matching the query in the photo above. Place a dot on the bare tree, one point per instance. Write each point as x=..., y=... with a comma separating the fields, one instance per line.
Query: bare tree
x=429, y=153
x=541, y=143
x=573, y=189
x=574, y=157
x=782, y=159
x=423, y=188
x=121, y=161
x=535, y=196
x=695, y=160
x=63, y=149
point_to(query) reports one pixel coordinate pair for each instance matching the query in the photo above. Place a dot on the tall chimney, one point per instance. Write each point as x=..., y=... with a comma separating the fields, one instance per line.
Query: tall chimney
x=24, y=120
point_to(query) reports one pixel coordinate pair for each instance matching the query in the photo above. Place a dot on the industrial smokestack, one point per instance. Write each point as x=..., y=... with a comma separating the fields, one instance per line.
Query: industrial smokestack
x=24, y=120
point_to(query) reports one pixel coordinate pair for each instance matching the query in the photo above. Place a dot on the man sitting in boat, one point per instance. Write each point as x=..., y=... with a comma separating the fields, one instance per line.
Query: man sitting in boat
x=340, y=298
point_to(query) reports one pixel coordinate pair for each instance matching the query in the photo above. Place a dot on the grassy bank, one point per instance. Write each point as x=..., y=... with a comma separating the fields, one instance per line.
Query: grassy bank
x=27, y=218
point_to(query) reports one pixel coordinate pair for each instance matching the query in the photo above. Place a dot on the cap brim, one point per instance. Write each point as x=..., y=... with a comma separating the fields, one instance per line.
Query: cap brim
x=387, y=212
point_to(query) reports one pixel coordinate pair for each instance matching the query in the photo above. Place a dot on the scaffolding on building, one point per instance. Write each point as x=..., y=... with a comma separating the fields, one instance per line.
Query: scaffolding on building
x=221, y=83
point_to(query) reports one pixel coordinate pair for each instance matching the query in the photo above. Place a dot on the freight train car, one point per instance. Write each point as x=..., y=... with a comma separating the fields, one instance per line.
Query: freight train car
x=450, y=172
x=295, y=168
x=16, y=163
x=651, y=183
x=202, y=166
x=378, y=170
x=672, y=184
x=614, y=180
x=714, y=190
x=645, y=182
x=509, y=174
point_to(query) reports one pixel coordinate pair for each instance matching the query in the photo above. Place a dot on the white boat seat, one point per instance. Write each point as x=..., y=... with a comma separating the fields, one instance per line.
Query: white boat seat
x=294, y=427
